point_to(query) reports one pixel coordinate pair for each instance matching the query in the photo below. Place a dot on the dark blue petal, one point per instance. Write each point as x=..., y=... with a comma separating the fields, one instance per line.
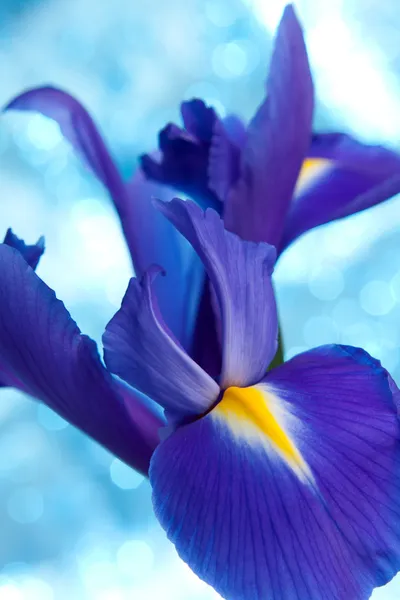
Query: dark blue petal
x=43, y=352
x=185, y=155
x=150, y=238
x=340, y=177
x=318, y=521
x=31, y=253
x=199, y=119
x=223, y=162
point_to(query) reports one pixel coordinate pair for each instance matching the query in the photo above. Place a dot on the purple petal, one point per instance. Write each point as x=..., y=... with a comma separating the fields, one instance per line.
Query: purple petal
x=341, y=177
x=31, y=253
x=80, y=130
x=236, y=130
x=240, y=273
x=42, y=347
x=184, y=154
x=224, y=162
x=141, y=350
x=150, y=238
x=277, y=141
x=317, y=518
x=206, y=345
x=78, y=127
x=158, y=242
x=199, y=119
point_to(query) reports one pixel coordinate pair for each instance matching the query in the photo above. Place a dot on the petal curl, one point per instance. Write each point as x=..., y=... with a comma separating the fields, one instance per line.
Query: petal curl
x=79, y=129
x=248, y=522
x=340, y=177
x=32, y=253
x=42, y=348
x=240, y=273
x=184, y=154
x=277, y=141
x=150, y=238
x=140, y=349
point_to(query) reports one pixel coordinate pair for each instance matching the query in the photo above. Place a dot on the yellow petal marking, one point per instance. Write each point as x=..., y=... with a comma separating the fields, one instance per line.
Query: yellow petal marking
x=256, y=414
x=311, y=169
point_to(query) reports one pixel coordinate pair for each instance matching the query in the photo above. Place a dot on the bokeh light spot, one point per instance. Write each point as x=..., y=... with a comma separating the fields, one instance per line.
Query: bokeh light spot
x=135, y=559
x=320, y=330
x=36, y=589
x=9, y=591
x=44, y=133
x=229, y=60
x=326, y=283
x=123, y=476
x=376, y=298
x=25, y=505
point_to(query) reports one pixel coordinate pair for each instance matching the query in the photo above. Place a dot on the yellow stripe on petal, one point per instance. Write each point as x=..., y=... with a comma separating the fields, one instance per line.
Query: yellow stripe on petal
x=311, y=171
x=257, y=415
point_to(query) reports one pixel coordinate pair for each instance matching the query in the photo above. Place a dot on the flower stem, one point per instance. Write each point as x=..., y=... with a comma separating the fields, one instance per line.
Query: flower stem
x=279, y=356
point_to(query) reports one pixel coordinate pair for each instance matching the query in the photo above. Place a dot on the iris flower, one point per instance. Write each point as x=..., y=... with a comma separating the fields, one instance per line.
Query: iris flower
x=271, y=181
x=280, y=484
x=274, y=180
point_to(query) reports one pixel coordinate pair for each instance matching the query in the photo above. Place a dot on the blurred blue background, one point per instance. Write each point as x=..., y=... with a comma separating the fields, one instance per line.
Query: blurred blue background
x=76, y=523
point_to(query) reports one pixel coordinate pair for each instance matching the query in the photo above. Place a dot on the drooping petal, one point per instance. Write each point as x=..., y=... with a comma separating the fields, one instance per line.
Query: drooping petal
x=150, y=238
x=289, y=489
x=277, y=141
x=340, y=177
x=79, y=129
x=31, y=252
x=42, y=348
x=142, y=351
x=240, y=273
x=184, y=154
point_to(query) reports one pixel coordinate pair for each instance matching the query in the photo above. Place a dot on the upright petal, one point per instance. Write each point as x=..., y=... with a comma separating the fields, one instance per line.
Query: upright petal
x=142, y=351
x=158, y=242
x=223, y=162
x=277, y=141
x=42, y=348
x=340, y=177
x=240, y=273
x=205, y=348
x=32, y=253
x=184, y=154
x=149, y=237
x=290, y=489
x=199, y=119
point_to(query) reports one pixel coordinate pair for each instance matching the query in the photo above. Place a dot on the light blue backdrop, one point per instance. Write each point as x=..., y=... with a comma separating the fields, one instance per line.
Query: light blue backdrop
x=74, y=522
